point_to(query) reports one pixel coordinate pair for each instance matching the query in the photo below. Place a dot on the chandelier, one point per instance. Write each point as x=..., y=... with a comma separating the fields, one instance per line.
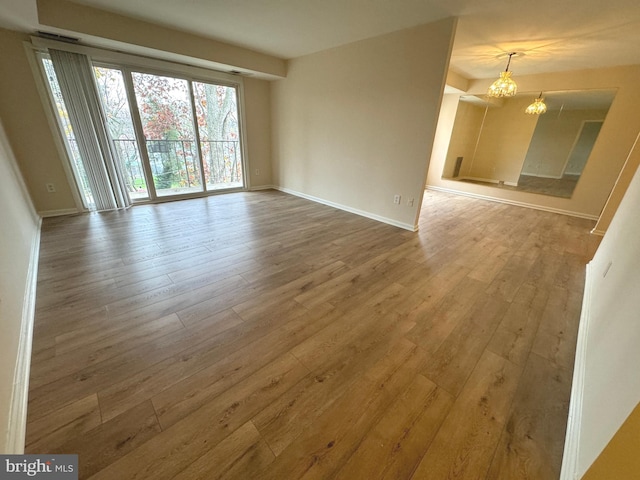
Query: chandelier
x=538, y=106
x=504, y=86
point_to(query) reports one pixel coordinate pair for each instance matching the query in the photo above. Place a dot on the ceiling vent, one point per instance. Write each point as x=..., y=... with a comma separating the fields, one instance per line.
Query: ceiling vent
x=239, y=73
x=55, y=36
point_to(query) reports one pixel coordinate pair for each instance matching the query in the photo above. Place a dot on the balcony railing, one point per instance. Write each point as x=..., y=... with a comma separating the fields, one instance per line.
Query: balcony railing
x=130, y=159
x=174, y=165
x=222, y=162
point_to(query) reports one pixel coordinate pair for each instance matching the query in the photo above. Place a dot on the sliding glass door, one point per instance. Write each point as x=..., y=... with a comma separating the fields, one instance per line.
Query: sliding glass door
x=113, y=94
x=68, y=135
x=166, y=114
x=191, y=132
x=173, y=136
x=219, y=131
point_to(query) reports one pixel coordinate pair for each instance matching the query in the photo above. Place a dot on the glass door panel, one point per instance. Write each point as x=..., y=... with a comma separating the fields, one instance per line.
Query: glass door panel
x=217, y=120
x=113, y=95
x=71, y=144
x=167, y=121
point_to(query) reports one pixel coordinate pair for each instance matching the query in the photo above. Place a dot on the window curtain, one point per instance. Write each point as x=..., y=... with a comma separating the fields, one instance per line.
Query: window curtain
x=87, y=118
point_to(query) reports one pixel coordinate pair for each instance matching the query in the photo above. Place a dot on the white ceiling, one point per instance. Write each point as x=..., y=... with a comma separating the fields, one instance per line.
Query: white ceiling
x=554, y=35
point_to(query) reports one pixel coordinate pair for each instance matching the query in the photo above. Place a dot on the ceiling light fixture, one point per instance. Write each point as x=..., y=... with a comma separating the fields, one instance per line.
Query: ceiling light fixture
x=538, y=106
x=504, y=86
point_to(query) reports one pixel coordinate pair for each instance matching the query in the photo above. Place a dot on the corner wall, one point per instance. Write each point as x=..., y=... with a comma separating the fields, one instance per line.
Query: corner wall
x=353, y=126
x=19, y=239
x=27, y=128
x=631, y=165
x=257, y=108
x=606, y=385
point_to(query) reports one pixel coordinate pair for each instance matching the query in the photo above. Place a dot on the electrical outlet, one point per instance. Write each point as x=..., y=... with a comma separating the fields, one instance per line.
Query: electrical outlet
x=396, y=199
x=410, y=202
x=51, y=188
x=257, y=172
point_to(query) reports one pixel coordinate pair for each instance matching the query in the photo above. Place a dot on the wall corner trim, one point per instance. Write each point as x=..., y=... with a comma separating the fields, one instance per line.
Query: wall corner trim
x=15, y=440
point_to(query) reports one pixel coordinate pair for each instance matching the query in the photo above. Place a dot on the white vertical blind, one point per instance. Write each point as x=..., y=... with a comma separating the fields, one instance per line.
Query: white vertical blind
x=104, y=173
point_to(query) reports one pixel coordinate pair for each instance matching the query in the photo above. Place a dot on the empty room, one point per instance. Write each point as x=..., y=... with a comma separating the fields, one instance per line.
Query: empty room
x=283, y=239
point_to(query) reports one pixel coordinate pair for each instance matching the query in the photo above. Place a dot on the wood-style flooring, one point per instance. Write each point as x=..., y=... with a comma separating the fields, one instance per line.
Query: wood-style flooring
x=258, y=335
x=555, y=187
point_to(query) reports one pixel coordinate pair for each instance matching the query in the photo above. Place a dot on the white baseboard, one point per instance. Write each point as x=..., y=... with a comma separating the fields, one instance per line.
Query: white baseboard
x=20, y=395
x=571, y=454
x=513, y=202
x=486, y=180
x=555, y=177
x=58, y=213
x=262, y=187
x=362, y=213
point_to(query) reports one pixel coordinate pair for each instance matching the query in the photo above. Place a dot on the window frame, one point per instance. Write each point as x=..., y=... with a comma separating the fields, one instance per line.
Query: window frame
x=128, y=63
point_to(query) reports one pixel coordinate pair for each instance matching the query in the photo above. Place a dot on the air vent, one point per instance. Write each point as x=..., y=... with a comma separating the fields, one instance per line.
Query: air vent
x=242, y=74
x=55, y=36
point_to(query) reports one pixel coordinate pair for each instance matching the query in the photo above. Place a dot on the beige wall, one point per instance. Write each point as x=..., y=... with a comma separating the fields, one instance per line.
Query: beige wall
x=620, y=460
x=606, y=385
x=504, y=142
x=258, y=131
x=26, y=125
x=464, y=137
x=18, y=241
x=353, y=126
x=622, y=183
x=554, y=139
x=136, y=36
x=611, y=150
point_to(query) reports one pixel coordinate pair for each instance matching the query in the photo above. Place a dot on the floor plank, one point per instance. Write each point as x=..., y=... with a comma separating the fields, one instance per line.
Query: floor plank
x=244, y=450
x=395, y=445
x=175, y=448
x=113, y=439
x=532, y=441
x=467, y=440
x=260, y=335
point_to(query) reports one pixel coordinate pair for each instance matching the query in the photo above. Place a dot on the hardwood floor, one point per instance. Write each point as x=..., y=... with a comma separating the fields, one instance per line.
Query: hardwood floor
x=262, y=336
